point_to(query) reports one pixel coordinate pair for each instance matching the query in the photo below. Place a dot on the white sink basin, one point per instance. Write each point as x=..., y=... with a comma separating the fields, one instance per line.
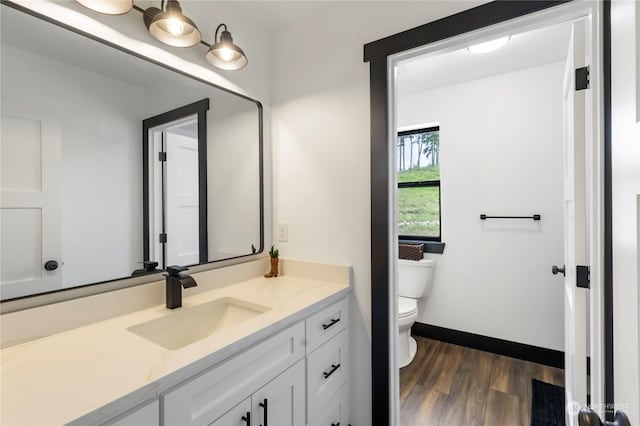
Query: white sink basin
x=190, y=324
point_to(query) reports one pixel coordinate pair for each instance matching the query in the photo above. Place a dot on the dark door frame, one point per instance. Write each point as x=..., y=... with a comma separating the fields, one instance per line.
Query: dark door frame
x=198, y=108
x=377, y=53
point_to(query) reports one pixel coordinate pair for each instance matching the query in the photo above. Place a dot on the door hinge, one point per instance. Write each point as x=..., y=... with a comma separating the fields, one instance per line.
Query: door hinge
x=162, y=156
x=583, y=276
x=582, y=78
x=163, y=238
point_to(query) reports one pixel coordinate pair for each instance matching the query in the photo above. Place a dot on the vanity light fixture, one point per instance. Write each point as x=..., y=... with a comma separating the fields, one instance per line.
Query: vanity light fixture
x=169, y=25
x=109, y=7
x=224, y=54
x=489, y=46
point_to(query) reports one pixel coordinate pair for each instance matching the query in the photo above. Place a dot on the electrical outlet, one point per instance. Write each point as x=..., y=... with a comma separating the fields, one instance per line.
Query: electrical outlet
x=284, y=232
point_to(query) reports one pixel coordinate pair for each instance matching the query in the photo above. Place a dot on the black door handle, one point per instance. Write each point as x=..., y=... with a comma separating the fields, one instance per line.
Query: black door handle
x=555, y=269
x=247, y=418
x=263, y=404
x=588, y=417
x=51, y=265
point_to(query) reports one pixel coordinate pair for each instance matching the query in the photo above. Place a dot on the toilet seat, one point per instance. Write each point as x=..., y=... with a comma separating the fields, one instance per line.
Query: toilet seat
x=407, y=307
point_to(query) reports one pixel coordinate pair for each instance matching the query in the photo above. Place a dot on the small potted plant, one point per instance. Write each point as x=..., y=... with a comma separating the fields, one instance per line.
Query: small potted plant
x=274, y=263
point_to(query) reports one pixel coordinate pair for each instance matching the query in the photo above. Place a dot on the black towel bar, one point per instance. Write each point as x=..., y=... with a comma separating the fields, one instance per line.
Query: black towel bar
x=485, y=217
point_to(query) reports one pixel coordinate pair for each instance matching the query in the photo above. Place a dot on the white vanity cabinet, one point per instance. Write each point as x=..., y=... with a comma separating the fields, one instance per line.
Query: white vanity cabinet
x=209, y=396
x=295, y=377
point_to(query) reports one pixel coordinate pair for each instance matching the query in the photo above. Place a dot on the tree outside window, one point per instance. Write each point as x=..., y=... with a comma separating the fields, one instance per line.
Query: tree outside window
x=419, y=184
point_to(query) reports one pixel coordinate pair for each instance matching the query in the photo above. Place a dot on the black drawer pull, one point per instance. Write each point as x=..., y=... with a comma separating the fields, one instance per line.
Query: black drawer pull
x=247, y=418
x=331, y=324
x=263, y=404
x=335, y=424
x=333, y=370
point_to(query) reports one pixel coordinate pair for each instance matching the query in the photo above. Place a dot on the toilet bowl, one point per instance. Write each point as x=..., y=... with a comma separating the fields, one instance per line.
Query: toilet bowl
x=414, y=282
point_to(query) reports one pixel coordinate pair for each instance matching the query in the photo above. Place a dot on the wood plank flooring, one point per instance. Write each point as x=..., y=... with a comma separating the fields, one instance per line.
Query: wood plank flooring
x=450, y=385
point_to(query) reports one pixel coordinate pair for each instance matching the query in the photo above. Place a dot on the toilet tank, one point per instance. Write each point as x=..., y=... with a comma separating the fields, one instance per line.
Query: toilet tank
x=415, y=277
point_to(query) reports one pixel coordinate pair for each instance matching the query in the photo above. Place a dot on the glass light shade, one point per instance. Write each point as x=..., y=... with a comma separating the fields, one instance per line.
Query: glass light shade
x=489, y=46
x=171, y=26
x=109, y=7
x=225, y=55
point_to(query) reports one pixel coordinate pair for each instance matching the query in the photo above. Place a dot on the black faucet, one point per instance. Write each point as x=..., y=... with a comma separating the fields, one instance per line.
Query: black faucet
x=176, y=279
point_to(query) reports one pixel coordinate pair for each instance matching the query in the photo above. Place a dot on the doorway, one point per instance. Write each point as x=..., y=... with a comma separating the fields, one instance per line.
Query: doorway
x=497, y=158
x=443, y=35
x=175, y=186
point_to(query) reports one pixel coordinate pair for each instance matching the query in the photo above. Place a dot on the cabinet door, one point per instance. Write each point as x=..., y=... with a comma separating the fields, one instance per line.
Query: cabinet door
x=335, y=412
x=240, y=415
x=281, y=401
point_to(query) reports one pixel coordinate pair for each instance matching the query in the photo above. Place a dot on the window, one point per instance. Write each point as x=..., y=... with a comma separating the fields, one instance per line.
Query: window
x=419, y=184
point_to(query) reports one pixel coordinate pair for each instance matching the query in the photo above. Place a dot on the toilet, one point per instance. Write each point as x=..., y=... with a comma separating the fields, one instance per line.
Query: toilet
x=414, y=282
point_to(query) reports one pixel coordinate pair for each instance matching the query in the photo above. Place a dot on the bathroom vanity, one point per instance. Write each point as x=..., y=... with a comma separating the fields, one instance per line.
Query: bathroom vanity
x=273, y=351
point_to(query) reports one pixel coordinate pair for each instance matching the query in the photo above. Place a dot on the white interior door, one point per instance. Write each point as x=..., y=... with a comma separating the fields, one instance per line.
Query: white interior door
x=30, y=208
x=182, y=200
x=575, y=241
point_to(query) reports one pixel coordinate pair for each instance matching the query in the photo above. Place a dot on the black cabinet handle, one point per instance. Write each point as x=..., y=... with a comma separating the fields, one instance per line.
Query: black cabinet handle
x=333, y=370
x=247, y=418
x=335, y=424
x=51, y=265
x=331, y=324
x=263, y=404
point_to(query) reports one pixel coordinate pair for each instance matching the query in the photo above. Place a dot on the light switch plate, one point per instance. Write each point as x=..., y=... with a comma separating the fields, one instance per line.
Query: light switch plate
x=284, y=232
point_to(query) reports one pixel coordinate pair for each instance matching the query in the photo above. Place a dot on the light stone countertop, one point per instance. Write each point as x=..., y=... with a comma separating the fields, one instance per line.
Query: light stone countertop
x=90, y=374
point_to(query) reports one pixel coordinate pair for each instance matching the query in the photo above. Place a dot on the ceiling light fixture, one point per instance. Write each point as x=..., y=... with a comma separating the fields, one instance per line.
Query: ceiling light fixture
x=169, y=25
x=489, y=46
x=109, y=7
x=224, y=54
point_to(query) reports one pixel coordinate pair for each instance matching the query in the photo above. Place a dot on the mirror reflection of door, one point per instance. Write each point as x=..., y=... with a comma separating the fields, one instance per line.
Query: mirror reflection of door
x=30, y=208
x=175, y=151
x=181, y=194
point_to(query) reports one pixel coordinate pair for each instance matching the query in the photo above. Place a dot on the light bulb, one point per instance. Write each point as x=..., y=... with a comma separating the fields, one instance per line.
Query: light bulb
x=174, y=26
x=489, y=46
x=226, y=54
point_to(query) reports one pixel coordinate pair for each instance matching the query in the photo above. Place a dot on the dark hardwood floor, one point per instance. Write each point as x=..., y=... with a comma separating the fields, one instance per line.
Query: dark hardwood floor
x=452, y=385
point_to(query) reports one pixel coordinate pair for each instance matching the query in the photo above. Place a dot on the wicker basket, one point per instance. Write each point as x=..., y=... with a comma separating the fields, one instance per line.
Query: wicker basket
x=411, y=251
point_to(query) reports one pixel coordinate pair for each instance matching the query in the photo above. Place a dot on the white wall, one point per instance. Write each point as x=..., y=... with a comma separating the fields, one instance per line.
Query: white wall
x=501, y=154
x=626, y=205
x=100, y=122
x=321, y=148
x=234, y=221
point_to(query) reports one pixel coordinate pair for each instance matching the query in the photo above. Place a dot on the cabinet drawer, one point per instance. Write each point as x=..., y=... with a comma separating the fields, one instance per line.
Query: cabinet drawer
x=325, y=324
x=208, y=396
x=326, y=371
x=335, y=412
x=145, y=415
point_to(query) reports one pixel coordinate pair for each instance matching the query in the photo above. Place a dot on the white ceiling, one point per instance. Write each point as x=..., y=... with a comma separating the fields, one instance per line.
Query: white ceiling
x=272, y=15
x=533, y=48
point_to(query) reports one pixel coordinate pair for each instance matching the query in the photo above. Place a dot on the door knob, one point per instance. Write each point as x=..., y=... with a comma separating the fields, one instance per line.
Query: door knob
x=51, y=265
x=555, y=269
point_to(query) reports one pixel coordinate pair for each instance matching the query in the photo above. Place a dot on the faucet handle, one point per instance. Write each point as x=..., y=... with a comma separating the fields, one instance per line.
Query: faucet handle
x=174, y=271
